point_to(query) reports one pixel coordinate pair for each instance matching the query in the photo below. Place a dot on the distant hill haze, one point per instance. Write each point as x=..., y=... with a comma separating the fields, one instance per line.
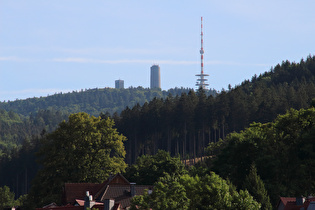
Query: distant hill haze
x=91, y=101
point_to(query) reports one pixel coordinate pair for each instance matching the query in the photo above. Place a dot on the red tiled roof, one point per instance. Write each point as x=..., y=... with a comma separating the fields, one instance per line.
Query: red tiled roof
x=81, y=202
x=74, y=191
x=290, y=203
x=285, y=200
x=121, y=193
x=98, y=207
x=117, y=188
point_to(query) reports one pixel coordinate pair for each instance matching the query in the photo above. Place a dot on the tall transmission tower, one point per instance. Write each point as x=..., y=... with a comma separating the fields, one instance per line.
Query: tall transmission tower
x=201, y=81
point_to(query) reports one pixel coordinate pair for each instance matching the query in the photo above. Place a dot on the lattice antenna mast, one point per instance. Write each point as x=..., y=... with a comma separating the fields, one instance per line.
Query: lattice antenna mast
x=201, y=81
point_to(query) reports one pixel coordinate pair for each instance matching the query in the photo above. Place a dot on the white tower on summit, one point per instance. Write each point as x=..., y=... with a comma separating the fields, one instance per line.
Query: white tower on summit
x=201, y=81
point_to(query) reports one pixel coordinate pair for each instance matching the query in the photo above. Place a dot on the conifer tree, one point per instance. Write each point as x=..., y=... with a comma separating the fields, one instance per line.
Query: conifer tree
x=256, y=188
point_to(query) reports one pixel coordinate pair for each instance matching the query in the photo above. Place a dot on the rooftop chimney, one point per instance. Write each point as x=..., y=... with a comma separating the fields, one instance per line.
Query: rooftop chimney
x=109, y=204
x=300, y=201
x=88, y=201
x=132, y=189
x=150, y=191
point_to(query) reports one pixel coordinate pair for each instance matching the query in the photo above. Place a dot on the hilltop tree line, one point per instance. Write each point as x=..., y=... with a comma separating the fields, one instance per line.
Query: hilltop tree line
x=91, y=101
x=186, y=124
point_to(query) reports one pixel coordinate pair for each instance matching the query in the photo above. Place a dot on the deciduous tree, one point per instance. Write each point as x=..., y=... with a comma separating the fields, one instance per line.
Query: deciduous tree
x=6, y=197
x=186, y=192
x=149, y=168
x=82, y=149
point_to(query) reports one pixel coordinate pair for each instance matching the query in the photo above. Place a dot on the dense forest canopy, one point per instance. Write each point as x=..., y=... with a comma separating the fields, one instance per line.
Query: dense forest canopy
x=283, y=151
x=25, y=119
x=186, y=124
x=16, y=128
x=189, y=124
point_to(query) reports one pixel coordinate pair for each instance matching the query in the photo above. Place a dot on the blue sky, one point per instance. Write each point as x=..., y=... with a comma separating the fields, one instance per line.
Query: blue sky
x=49, y=46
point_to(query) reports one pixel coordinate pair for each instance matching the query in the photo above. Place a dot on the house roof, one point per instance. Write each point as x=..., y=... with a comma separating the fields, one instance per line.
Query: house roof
x=121, y=193
x=311, y=206
x=71, y=207
x=289, y=203
x=116, y=187
x=73, y=191
x=81, y=202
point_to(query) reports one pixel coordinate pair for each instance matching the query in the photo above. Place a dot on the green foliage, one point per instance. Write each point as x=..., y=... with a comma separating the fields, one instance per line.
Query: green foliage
x=22, y=164
x=21, y=201
x=186, y=124
x=213, y=192
x=256, y=187
x=168, y=193
x=82, y=149
x=6, y=197
x=149, y=168
x=282, y=151
x=214, y=148
x=186, y=192
x=243, y=200
x=15, y=129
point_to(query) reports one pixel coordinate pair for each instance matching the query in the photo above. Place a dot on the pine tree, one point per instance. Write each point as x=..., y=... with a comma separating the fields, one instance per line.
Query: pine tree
x=256, y=188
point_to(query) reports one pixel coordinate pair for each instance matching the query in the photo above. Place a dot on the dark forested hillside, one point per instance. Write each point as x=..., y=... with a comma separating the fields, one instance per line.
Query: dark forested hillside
x=185, y=125
x=282, y=151
x=15, y=128
x=91, y=101
x=25, y=119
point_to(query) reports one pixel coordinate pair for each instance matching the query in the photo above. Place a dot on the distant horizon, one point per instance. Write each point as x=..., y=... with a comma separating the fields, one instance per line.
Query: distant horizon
x=51, y=92
x=48, y=47
x=87, y=89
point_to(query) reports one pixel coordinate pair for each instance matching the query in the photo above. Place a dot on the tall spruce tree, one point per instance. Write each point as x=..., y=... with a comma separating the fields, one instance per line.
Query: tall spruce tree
x=256, y=188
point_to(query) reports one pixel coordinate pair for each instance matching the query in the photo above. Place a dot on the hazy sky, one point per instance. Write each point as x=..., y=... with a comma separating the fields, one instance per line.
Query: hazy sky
x=49, y=46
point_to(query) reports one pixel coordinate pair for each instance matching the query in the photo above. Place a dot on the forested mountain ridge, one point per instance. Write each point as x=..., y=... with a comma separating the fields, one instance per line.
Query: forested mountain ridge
x=185, y=125
x=91, y=101
x=287, y=85
x=26, y=119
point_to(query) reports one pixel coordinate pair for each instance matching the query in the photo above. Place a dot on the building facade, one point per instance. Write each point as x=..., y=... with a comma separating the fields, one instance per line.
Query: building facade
x=155, y=81
x=119, y=84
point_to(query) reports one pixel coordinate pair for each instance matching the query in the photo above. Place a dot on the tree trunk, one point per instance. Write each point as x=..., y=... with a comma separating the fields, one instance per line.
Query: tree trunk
x=135, y=149
x=184, y=144
x=194, y=148
x=209, y=136
x=168, y=140
x=223, y=135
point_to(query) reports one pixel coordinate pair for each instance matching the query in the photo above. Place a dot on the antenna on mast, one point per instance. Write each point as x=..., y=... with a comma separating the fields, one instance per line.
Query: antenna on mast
x=201, y=81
